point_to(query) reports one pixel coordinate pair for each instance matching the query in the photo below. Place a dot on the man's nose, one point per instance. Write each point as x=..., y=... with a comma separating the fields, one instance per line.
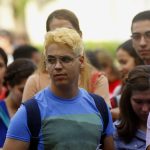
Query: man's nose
x=58, y=64
x=142, y=41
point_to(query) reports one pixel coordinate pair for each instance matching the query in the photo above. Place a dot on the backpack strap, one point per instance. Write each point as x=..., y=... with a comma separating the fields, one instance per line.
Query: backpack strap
x=34, y=118
x=3, y=115
x=102, y=108
x=33, y=121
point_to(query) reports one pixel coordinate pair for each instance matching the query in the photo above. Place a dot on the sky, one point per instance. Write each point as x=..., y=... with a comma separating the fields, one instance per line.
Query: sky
x=100, y=20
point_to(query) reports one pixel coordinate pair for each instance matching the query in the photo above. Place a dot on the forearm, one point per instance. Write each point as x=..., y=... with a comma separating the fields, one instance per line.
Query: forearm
x=109, y=143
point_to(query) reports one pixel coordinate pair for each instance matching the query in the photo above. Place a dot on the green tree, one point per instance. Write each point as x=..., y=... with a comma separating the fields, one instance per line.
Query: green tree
x=18, y=9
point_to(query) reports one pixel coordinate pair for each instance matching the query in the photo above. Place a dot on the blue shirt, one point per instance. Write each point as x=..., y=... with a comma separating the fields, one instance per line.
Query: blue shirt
x=137, y=143
x=4, y=117
x=74, y=124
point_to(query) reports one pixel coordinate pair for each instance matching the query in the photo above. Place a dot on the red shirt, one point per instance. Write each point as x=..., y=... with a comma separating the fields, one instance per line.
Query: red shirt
x=113, y=85
x=3, y=93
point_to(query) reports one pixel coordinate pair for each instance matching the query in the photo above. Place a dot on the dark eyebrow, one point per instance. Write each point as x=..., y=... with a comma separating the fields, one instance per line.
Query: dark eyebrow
x=141, y=33
x=147, y=31
x=136, y=33
x=50, y=56
x=59, y=56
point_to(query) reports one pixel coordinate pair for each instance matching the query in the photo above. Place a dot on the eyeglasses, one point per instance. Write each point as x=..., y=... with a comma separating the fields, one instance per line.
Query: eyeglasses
x=137, y=36
x=64, y=60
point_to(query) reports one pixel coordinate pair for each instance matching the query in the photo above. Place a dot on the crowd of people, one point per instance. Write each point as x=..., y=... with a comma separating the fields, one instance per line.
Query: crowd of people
x=66, y=98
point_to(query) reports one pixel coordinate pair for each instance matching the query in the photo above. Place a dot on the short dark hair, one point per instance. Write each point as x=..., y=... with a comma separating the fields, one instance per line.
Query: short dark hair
x=144, y=15
x=19, y=70
x=24, y=51
x=64, y=14
x=92, y=58
x=138, y=79
x=3, y=55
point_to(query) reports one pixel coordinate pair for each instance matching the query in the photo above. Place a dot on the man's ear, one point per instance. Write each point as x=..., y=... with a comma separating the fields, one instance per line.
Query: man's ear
x=81, y=59
x=46, y=67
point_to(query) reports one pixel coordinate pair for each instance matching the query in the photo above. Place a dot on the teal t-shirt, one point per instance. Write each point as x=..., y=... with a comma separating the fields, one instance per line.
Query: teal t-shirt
x=67, y=124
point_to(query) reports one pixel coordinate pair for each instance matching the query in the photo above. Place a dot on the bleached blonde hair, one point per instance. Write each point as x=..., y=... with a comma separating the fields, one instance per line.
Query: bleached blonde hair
x=65, y=36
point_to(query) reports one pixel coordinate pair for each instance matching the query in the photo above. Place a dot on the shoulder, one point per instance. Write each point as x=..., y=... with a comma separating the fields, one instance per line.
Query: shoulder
x=38, y=75
x=34, y=76
x=87, y=96
x=40, y=79
x=31, y=87
x=32, y=79
x=18, y=128
x=43, y=93
x=21, y=112
x=34, y=84
x=138, y=141
x=42, y=98
x=17, y=120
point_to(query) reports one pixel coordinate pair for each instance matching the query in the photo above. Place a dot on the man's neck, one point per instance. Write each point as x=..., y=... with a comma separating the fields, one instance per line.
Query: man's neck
x=66, y=92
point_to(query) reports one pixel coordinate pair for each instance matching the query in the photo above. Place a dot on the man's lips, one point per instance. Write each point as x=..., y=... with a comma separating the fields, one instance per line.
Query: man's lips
x=144, y=52
x=60, y=76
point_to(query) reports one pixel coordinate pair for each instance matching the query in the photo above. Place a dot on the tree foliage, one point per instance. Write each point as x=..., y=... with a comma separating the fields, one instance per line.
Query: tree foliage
x=18, y=8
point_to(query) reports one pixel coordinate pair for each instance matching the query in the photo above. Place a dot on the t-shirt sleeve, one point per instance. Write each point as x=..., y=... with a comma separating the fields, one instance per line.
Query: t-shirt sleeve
x=18, y=128
x=148, y=131
x=110, y=128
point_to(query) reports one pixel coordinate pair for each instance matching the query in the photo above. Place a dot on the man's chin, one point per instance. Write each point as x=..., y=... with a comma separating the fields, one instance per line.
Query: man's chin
x=145, y=56
x=62, y=85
